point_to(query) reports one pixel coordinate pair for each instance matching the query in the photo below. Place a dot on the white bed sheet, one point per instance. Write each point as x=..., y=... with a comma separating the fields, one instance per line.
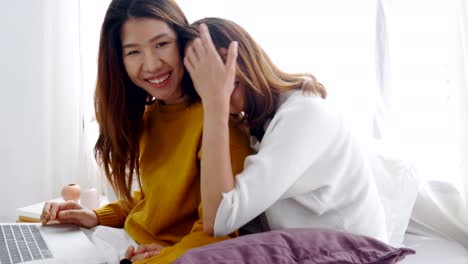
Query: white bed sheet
x=430, y=250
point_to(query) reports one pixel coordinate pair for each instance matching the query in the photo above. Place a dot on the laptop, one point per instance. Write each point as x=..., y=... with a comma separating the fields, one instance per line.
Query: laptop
x=34, y=243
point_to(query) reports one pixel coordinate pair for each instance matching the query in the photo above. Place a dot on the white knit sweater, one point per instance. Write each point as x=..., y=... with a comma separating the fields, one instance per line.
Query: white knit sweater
x=309, y=171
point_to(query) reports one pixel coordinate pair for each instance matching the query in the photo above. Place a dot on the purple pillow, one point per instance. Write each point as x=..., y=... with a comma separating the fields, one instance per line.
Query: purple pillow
x=311, y=245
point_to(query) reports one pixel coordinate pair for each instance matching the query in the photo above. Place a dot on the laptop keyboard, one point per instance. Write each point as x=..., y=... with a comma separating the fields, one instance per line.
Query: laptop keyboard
x=20, y=243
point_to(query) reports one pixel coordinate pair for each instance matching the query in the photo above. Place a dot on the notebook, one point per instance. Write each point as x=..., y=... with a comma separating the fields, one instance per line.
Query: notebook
x=34, y=243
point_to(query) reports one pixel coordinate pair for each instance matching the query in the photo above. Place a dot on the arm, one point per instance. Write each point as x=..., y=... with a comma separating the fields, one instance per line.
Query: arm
x=70, y=212
x=214, y=82
x=216, y=171
x=231, y=159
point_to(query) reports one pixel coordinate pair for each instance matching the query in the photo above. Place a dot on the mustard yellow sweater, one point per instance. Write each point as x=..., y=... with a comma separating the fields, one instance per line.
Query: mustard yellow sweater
x=170, y=152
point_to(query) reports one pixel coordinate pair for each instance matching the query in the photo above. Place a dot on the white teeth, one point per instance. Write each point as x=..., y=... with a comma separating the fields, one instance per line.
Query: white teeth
x=159, y=80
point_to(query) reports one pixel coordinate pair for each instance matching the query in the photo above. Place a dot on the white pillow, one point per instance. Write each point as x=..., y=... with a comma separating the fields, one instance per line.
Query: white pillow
x=398, y=187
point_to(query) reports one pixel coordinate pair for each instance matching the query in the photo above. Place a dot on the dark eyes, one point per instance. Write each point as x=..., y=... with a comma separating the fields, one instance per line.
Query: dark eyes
x=158, y=45
x=133, y=52
x=161, y=44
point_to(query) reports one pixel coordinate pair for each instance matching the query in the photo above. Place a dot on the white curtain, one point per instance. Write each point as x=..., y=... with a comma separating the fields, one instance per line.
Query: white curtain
x=42, y=83
x=91, y=14
x=422, y=67
x=61, y=88
x=461, y=77
x=73, y=29
x=48, y=73
x=22, y=107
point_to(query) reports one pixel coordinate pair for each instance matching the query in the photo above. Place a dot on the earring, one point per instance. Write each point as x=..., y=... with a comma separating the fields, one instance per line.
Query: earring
x=150, y=100
x=241, y=115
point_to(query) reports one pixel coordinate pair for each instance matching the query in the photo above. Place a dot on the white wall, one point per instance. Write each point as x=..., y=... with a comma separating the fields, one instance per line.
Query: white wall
x=22, y=133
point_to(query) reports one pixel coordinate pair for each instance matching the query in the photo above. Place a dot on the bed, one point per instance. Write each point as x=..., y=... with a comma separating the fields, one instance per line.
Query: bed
x=430, y=250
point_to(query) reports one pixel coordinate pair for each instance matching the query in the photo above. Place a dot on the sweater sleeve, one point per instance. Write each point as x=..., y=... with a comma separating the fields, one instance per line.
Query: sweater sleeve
x=298, y=136
x=114, y=214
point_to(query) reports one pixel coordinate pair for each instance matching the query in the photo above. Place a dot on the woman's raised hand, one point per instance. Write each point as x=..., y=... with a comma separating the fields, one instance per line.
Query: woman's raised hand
x=213, y=79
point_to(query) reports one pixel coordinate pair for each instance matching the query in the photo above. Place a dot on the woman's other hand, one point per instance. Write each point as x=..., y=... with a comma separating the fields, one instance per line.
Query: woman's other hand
x=142, y=252
x=69, y=212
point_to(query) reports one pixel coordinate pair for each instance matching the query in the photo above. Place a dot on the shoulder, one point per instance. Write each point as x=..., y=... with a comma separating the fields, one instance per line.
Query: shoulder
x=305, y=106
x=304, y=116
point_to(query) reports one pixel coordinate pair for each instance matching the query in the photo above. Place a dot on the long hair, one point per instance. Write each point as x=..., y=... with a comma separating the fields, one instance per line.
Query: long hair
x=118, y=102
x=264, y=82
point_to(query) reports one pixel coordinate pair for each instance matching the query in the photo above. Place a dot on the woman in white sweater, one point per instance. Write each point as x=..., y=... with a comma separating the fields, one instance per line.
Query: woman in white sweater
x=307, y=170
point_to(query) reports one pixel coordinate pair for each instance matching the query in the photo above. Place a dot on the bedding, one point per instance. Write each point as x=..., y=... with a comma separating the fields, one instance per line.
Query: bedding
x=113, y=242
x=305, y=246
x=430, y=250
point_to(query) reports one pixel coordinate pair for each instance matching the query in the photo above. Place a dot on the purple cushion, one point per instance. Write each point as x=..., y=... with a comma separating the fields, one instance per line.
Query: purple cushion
x=303, y=246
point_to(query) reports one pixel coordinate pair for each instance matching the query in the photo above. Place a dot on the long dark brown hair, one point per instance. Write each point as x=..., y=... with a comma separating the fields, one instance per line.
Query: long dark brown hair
x=118, y=102
x=264, y=82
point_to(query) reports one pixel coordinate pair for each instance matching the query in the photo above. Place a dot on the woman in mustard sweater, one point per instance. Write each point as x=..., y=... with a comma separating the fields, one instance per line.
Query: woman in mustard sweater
x=150, y=122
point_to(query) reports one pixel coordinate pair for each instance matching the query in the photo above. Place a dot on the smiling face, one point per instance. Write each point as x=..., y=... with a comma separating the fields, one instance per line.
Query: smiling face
x=152, y=58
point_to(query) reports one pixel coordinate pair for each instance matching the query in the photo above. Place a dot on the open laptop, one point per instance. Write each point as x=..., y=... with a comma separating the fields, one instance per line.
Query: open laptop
x=34, y=243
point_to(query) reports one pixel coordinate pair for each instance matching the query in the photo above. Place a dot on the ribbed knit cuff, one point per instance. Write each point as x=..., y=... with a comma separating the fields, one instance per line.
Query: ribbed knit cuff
x=107, y=217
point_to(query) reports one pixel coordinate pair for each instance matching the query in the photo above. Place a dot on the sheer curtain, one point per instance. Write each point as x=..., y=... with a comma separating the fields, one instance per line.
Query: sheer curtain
x=48, y=77
x=462, y=77
x=423, y=73
x=91, y=14
x=40, y=138
x=61, y=88
x=70, y=68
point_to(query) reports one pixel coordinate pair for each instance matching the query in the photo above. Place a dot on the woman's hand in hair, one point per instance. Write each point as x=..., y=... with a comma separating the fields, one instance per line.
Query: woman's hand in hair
x=213, y=79
x=69, y=212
